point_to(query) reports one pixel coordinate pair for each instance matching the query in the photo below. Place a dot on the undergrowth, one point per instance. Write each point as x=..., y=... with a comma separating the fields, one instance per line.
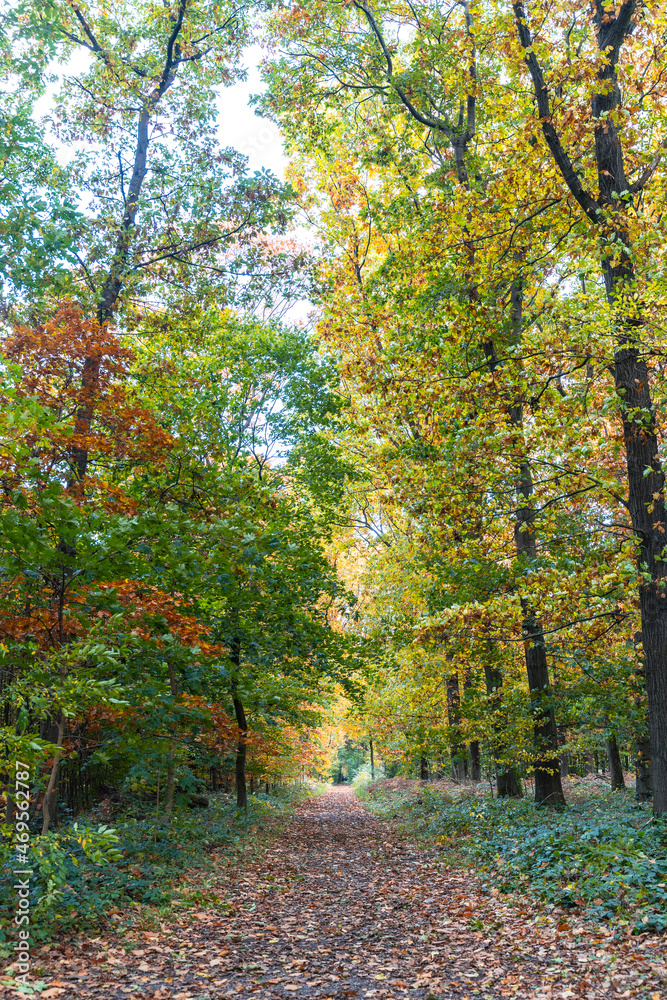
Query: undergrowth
x=84, y=873
x=604, y=856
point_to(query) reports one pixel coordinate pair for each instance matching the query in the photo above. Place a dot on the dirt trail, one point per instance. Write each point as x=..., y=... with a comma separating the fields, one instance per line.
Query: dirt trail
x=335, y=910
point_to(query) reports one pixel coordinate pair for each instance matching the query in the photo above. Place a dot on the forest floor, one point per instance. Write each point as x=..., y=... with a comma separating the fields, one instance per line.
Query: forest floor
x=338, y=906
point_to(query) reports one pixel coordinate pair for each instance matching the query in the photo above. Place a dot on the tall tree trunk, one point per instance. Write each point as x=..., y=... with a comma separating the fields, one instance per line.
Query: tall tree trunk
x=615, y=766
x=454, y=714
x=50, y=802
x=169, y=805
x=508, y=785
x=241, y=791
x=548, y=788
x=646, y=480
x=370, y=743
x=423, y=769
x=114, y=279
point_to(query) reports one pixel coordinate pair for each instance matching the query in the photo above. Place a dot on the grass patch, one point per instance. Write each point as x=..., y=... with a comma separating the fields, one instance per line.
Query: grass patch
x=604, y=855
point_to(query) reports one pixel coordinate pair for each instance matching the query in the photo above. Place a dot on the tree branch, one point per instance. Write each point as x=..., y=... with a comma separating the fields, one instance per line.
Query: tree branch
x=648, y=171
x=560, y=155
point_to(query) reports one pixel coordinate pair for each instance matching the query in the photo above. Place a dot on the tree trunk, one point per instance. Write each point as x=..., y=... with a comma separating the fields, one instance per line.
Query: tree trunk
x=508, y=785
x=643, y=783
x=423, y=769
x=475, y=761
x=50, y=802
x=615, y=766
x=241, y=791
x=563, y=755
x=169, y=805
x=454, y=714
x=548, y=788
x=507, y=781
x=370, y=743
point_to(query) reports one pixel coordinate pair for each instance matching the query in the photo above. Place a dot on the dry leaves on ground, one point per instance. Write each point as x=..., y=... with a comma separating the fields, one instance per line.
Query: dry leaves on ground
x=336, y=908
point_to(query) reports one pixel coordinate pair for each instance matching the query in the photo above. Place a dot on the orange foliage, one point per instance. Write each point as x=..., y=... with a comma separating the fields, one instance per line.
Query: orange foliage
x=81, y=372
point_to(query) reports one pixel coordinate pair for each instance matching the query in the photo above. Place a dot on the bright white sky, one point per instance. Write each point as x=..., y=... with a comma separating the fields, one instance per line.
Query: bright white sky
x=255, y=137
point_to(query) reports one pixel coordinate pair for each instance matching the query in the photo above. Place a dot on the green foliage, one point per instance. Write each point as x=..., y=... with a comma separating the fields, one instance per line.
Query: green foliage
x=83, y=871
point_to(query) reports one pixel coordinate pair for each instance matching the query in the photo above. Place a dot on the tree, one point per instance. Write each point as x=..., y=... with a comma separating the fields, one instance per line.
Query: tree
x=612, y=216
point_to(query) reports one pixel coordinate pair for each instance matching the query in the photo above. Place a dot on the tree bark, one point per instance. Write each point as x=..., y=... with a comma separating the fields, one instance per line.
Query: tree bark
x=475, y=761
x=454, y=713
x=643, y=770
x=548, y=787
x=646, y=480
x=50, y=802
x=615, y=766
x=508, y=785
x=370, y=743
x=423, y=769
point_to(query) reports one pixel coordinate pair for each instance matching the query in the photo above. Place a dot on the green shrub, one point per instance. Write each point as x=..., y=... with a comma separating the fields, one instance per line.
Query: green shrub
x=81, y=872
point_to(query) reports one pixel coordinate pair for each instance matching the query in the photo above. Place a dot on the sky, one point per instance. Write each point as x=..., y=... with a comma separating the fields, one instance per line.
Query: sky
x=257, y=138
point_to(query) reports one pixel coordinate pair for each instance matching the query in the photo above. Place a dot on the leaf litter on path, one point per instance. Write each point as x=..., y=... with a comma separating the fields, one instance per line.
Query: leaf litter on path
x=336, y=908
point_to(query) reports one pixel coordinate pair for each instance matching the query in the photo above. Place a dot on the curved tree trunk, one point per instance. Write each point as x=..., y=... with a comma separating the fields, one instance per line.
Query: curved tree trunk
x=50, y=802
x=239, y=711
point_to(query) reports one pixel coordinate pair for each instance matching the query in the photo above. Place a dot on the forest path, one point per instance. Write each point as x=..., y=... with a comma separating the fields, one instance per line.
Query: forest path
x=336, y=909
